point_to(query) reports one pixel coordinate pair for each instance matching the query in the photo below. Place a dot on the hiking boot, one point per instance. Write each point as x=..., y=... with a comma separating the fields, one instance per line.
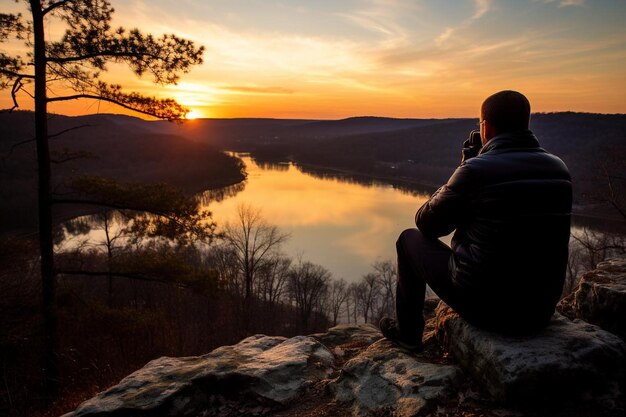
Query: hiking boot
x=389, y=329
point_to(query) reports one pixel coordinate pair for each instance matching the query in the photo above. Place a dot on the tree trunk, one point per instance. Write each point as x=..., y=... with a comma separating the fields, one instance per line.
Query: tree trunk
x=109, y=244
x=51, y=371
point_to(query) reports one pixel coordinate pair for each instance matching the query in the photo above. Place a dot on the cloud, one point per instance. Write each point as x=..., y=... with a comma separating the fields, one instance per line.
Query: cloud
x=370, y=22
x=564, y=3
x=444, y=36
x=382, y=17
x=252, y=89
x=482, y=7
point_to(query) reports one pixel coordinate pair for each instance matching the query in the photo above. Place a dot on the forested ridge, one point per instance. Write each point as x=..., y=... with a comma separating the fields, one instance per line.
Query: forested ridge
x=421, y=151
x=119, y=147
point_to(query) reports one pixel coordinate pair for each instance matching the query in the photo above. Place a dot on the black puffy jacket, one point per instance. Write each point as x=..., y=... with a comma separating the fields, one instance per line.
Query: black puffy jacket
x=511, y=208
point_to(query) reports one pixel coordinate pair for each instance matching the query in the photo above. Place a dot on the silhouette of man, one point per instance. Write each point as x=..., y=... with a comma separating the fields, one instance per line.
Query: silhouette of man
x=509, y=203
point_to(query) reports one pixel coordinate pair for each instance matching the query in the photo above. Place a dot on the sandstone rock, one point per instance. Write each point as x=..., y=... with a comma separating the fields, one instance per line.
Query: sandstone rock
x=388, y=380
x=567, y=360
x=600, y=297
x=349, y=333
x=260, y=370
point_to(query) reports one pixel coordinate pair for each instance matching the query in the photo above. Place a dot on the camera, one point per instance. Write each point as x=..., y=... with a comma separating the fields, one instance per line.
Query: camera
x=471, y=146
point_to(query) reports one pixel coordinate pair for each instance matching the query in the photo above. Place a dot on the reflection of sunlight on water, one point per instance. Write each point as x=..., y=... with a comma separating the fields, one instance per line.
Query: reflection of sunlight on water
x=344, y=226
x=88, y=232
x=344, y=223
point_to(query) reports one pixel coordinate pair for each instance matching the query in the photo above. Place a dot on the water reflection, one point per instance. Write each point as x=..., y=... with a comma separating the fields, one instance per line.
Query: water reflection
x=407, y=186
x=272, y=165
x=343, y=221
x=209, y=196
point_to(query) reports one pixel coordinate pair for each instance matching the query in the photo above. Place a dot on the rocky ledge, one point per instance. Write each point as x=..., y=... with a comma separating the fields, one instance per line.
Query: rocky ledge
x=258, y=373
x=572, y=368
x=566, y=360
x=600, y=297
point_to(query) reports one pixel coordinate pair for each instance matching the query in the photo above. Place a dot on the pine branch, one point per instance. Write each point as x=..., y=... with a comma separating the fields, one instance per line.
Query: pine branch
x=163, y=109
x=17, y=86
x=117, y=206
x=101, y=54
x=14, y=74
x=24, y=142
x=68, y=130
x=54, y=6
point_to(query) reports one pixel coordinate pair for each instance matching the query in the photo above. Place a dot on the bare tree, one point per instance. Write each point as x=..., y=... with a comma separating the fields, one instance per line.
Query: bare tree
x=587, y=248
x=387, y=277
x=105, y=221
x=368, y=292
x=337, y=296
x=352, y=302
x=254, y=242
x=223, y=258
x=272, y=279
x=308, y=284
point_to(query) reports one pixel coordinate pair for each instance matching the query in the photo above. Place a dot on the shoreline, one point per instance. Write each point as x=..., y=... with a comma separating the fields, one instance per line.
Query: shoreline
x=86, y=210
x=578, y=211
x=579, y=214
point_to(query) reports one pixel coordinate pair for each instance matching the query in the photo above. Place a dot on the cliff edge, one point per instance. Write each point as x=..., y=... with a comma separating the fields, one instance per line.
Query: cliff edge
x=571, y=368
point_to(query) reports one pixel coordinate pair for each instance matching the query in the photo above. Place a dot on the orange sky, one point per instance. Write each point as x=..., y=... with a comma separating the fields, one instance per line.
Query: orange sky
x=400, y=58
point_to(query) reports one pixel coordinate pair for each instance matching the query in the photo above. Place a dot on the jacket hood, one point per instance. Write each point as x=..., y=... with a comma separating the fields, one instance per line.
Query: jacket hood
x=521, y=139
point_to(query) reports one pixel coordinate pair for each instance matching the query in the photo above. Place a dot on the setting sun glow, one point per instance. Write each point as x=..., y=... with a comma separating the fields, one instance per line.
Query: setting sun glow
x=193, y=115
x=399, y=58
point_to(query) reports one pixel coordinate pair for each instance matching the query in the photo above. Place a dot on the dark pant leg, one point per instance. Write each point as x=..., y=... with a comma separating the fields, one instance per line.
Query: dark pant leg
x=421, y=261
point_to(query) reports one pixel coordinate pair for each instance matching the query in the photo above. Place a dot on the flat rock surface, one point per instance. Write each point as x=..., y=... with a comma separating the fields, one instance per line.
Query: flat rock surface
x=568, y=359
x=261, y=371
x=387, y=379
x=600, y=297
x=349, y=333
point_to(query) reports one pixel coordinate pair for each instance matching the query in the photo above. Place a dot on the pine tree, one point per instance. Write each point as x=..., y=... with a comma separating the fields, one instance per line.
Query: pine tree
x=73, y=66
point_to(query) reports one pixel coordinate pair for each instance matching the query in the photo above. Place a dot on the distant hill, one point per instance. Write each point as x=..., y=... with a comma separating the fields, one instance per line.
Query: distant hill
x=427, y=151
x=249, y=132
x=581, y=140
x=121, y=147
x=421, y=151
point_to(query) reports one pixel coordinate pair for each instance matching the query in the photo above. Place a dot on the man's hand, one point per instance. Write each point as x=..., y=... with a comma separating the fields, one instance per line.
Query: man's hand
x=471, y=146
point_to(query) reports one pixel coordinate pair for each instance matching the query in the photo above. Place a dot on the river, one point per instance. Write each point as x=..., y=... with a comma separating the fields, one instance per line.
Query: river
x=338, y=222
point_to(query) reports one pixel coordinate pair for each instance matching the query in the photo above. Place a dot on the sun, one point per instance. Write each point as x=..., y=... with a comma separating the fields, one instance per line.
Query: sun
x=194, y=114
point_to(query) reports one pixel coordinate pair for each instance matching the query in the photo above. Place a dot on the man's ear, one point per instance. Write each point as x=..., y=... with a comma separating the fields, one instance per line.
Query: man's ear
x=488, y=132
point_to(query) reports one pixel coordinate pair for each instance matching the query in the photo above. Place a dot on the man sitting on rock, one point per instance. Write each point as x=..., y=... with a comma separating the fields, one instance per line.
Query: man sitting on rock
x=509, y=203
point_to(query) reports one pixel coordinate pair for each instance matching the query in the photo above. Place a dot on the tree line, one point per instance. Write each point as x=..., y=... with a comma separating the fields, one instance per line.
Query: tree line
x=243, y=259
x=250, y=264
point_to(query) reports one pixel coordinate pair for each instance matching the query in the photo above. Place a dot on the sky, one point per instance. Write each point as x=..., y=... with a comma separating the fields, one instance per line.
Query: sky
x=330, y=59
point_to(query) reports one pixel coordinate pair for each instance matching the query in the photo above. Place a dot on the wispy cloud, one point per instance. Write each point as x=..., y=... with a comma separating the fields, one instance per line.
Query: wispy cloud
x=382, y=17
x=563, y=3
x=444, y=36
x=253, y=89
x=481, y=7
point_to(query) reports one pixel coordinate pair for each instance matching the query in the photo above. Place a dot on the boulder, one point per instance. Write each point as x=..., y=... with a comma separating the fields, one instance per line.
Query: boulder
x=567, y=360
x=600, y=297
x=349, y=334
x=384, y=379
x=257, y=373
